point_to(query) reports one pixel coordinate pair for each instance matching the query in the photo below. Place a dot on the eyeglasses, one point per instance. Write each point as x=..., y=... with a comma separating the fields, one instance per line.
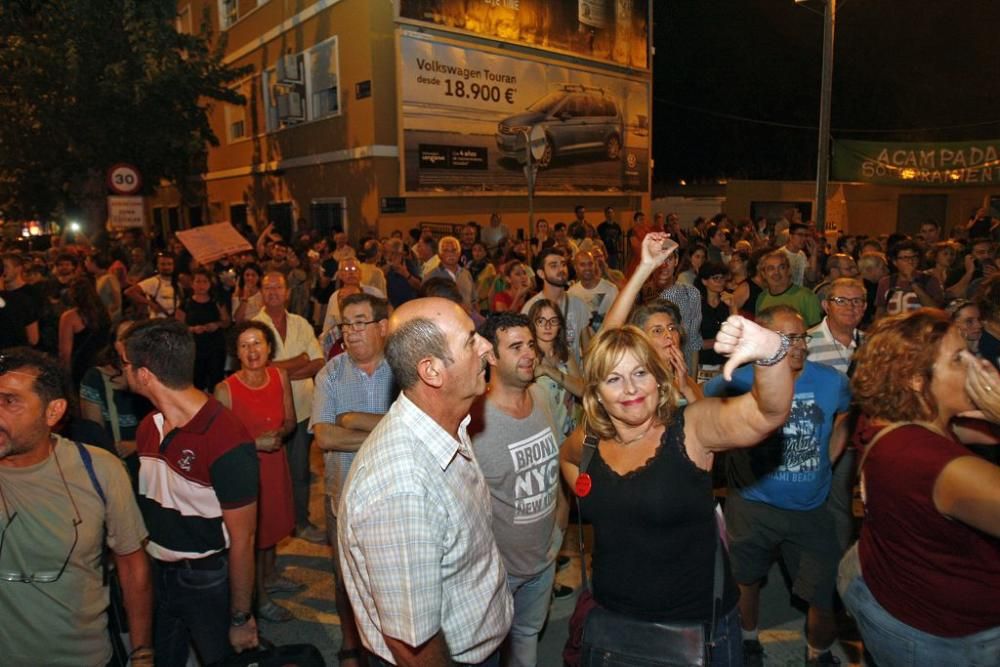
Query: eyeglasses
x=356, y=326
x=543, y=323
x=855, y=302
x=51, y=576
x=804, y=339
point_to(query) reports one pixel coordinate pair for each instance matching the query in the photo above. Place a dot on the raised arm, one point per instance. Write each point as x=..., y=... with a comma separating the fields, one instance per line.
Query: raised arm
x=717, y=424
x=654, y=253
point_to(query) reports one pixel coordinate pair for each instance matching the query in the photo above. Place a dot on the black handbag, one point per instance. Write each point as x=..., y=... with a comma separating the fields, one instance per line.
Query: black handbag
x=269, y=655
x=611, y=639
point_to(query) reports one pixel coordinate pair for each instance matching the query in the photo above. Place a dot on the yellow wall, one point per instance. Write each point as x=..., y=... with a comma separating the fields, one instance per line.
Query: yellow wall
x=857, y=208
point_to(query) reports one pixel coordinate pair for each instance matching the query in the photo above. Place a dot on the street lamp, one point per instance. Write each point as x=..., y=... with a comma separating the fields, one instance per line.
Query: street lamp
x=825, y=93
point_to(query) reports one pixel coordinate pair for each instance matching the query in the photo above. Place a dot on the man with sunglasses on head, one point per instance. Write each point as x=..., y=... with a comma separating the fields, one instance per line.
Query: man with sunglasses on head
x=778, y=493
x=61, y=504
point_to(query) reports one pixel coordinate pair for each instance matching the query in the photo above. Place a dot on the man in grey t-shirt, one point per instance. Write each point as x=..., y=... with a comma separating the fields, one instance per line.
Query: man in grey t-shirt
x=515, y=442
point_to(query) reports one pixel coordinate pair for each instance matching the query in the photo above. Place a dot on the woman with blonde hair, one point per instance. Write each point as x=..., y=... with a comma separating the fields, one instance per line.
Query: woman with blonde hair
x=643, y=479
x=923, y=580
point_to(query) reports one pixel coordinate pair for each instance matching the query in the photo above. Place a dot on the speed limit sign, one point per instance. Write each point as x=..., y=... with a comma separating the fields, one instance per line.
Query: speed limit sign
x=124, y=179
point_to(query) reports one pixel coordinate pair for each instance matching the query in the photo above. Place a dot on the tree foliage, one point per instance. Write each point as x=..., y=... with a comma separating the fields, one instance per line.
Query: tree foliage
x=88, y=83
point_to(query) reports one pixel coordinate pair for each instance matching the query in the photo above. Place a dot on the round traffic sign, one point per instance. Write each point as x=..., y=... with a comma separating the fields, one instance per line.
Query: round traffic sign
x=537, y=140
x=124, y=179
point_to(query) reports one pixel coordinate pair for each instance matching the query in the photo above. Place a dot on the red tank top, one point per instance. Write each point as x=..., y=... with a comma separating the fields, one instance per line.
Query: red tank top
x=261, y=409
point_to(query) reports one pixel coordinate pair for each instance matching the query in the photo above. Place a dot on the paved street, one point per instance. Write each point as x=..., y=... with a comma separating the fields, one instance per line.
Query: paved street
x=316, y=619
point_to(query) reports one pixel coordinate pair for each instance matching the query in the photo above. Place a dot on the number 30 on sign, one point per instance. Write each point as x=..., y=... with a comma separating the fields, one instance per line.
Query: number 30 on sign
x=124, y=179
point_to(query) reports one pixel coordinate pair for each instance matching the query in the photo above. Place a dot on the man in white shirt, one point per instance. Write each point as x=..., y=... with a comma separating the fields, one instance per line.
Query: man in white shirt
x=592, y=289
x=159, y=293
x=449, y=253
x=299, y=353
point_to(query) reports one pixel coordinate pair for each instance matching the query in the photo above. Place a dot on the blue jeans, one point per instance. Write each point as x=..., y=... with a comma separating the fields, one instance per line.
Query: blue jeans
x=532, y=596
x=895, y=644
x=298, y=465
x=191, y=606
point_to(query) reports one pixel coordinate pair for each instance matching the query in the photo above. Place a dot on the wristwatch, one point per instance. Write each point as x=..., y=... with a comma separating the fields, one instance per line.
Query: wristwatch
x=779, y=354
x=240, y=618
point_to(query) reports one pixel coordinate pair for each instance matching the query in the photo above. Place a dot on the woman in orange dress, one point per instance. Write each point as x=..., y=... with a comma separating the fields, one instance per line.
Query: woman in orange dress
x=261, y=397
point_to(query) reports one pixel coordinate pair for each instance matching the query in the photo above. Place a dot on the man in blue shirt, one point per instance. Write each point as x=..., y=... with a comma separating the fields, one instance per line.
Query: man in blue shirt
x=779, y=490
x=353, y=391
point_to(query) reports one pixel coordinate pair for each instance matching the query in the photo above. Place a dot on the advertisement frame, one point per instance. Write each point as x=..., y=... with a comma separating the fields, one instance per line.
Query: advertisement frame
x=404, y=22
x=644, y=79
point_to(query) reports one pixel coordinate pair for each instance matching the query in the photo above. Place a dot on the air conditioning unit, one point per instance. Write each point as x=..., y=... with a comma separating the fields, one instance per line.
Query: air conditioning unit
x=290, y=107
x=288, y=69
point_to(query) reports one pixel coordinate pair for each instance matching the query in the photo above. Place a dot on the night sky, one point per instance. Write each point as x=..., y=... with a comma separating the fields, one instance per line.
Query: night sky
x=900, y=64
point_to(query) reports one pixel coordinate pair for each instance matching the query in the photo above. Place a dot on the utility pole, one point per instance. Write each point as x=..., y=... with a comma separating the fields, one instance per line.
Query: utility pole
x=826, y=92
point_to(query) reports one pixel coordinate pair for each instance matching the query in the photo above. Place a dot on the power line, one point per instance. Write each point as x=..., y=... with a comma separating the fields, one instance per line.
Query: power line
x=797, y=126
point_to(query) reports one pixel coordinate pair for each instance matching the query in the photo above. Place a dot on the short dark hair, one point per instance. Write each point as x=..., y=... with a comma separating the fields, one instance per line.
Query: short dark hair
x=796, y=227
x=232, y=339
x=68, y=257
x=545, y=253
x=379, y=306
x=101, y=260
x=899, y=247
x=442, y=287
x=164, y=347
x=576, y=209
x=50, y=384
x=497, y=322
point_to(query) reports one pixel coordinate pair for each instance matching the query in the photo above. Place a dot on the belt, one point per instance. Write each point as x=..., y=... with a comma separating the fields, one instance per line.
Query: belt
x=212, y=562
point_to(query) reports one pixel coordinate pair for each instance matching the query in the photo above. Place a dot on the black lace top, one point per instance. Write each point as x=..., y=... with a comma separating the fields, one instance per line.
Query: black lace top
x=655, y=536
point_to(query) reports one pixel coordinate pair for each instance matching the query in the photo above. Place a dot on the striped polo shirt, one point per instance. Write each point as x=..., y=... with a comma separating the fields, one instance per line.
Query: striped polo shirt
x=825, y=349
x=188, y=476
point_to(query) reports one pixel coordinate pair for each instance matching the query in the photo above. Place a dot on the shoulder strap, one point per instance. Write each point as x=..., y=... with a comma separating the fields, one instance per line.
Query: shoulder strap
x=88, y=463
x=871, y=445
x=589, y=447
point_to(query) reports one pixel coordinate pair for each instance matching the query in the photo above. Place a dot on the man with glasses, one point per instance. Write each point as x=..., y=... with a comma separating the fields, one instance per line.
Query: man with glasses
x=834, y=342
x=908, y=288
x=839, y=265
x=803, y=265
x=778, y=492
x=300, y=354
x=353, y=391
x=61, y=504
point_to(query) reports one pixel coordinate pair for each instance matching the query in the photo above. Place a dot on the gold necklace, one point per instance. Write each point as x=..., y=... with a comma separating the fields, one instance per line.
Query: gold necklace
x=642, y=435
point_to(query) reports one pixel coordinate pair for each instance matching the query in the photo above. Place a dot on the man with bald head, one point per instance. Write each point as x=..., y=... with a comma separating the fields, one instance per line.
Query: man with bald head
x=420, y=562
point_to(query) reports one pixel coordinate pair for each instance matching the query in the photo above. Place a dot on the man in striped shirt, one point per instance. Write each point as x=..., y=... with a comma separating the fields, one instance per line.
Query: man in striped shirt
x=198, y=495
x=834, y=342
x=836, y=337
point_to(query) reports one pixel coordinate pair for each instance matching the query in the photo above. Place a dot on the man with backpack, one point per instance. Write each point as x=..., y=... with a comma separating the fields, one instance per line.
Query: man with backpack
x=61, y=503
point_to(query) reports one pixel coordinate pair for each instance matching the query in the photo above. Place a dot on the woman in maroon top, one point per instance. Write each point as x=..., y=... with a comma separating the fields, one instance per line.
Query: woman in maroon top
x=260, y=396
x=923, y=581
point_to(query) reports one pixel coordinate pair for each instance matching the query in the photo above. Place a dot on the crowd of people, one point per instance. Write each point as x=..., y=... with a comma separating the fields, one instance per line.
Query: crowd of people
x=157, y=416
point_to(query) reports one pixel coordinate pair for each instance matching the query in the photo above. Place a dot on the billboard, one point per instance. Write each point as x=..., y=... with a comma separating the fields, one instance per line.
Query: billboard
x=469, y=115
x=615, y=31
x=955, y=163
